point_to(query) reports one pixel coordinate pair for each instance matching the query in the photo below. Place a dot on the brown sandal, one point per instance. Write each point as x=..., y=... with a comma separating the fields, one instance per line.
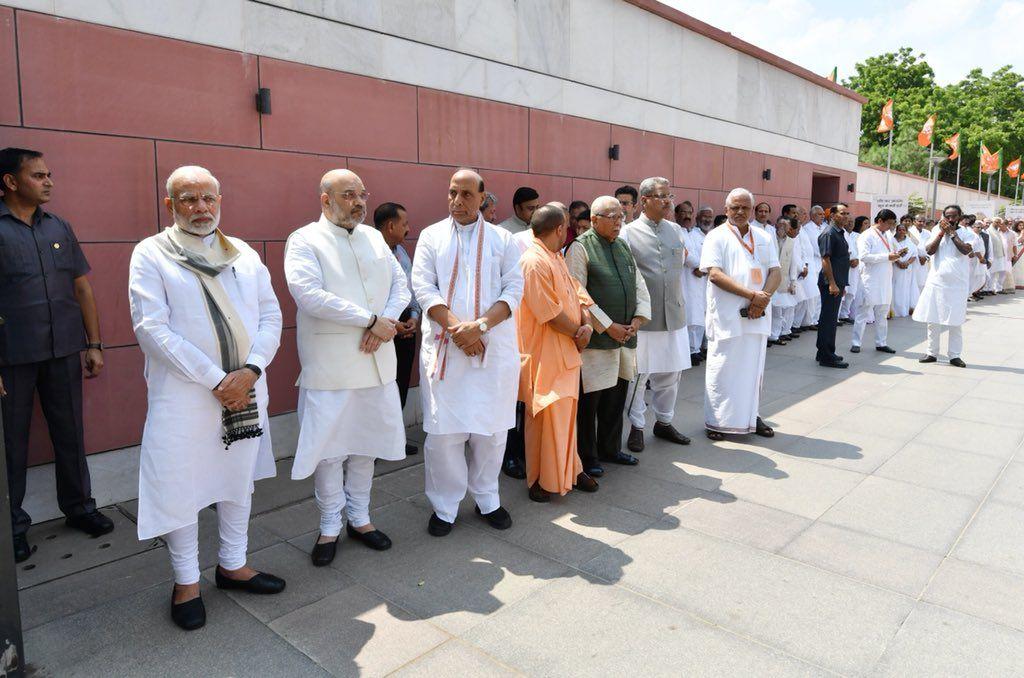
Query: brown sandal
x=714, y=435
x=764, y=430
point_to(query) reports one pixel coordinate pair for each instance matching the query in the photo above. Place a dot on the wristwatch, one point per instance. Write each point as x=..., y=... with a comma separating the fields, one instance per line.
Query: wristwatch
x=254, y=368
x=97, y=345
x=482, y=324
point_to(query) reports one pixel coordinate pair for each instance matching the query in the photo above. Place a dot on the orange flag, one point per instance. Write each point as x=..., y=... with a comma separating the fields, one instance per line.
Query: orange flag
x=989, y=161
x=1013, y=169
x=886, y=123
x=954, y=143
x=924, y=137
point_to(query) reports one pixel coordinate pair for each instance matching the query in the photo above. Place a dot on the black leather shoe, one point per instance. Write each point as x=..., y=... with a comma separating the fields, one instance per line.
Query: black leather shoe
x=499, y=518
x=189, y=615
x=928, y=359
x=323, y=554
x=260, y=583
x=812, y=328
x=22, y=551
x=513, y=468
x=437, y=527
x=695, y=358
x=635, y=441
x=93, y=523
x=956, y=362
x=838, y=358
x=585, y=483
x=885, y=349
x=855, y=349
x=764, y=430
x=595, y=471
x=668, y=432
x=375, y=539
x=834, y=363
x=411, y=449
x=537, y=494
x=622, y=458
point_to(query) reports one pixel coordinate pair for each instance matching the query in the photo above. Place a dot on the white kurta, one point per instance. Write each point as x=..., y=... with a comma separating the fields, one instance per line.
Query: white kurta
x=944, y=297
x=978, y=270
x=694, y=287
x=921, y=238
x=342, y=422
x=783, y=298
x=904, y=281
x=810, y=232
x=184, y=466
x=736, y=345
x=477, y=395
x=876, y=269
x=853, y=282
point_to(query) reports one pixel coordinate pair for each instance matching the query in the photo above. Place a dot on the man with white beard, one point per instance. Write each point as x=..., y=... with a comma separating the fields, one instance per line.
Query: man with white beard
x=208, y=323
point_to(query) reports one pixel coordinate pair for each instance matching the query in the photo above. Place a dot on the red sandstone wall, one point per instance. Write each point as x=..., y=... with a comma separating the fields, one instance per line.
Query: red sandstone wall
x=115, y=111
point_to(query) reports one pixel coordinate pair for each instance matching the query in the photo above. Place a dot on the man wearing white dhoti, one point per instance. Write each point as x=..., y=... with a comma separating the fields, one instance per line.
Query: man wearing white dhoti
x=349, y=293
x=742, y=264
x=876, y=250
x=663, y=344
x=208, y=323
x=808, y=311
x=943, y=302
x=466, y=278
x=695, y=285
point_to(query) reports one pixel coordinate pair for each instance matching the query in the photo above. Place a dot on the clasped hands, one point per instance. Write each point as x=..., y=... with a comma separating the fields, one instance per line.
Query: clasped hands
x=233, y=390
x=468, y=336
x=758, y=303
x=380, y=332
x=623, y=333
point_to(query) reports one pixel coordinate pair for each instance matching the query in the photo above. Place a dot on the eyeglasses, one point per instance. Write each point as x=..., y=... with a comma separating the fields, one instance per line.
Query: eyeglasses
x=190, y=200
x=352, y=195
x=613, y=217
x=662, y=197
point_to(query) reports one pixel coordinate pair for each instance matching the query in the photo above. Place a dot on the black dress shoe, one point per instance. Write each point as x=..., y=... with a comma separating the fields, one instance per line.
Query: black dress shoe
x=668, y=432
x=437, y=527
x=22, y=551
x=595, y=471
x=93, y=523
x=635, y=441
x=585, y=483
x=375, y=539
x=261, y=582
x=323, y=554
x=411, y=449
x=695, y=358
x=764, y=430
x=622, y=458
x=537, y=494
x=855, y=349
x=928, y=359
x=499, y=518
x=189, y=615
x=834, y=363
x=956, y=362
x=513, y=468
x=812, y=328
x=885, y=349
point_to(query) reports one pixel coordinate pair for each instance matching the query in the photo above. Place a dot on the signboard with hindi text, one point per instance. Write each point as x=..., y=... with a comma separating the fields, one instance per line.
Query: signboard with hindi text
x=982, y=209
x=897, y=203
x=1015, y=212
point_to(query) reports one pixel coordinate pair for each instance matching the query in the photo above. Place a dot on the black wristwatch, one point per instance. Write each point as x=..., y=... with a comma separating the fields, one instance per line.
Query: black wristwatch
x=98, y=346
x=373, y=321
x=258, y=371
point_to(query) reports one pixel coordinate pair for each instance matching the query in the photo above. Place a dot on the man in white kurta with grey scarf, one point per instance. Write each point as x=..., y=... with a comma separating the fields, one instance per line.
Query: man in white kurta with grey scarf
x=208, y=322
x=349, y=292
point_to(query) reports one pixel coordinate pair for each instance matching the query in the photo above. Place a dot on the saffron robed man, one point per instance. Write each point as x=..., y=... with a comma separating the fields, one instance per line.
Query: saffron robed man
x=350, y=291
x=467, y=280
x=554, y=328
x=742, y=264
x=663, y=345
x=602, y=262
x=208, y=323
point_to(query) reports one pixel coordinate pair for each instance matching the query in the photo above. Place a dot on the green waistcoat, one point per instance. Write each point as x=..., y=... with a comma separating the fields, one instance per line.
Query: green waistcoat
x=611, y=282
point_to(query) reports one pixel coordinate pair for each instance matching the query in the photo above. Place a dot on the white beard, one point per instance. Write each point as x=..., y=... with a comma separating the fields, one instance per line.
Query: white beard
x=202, y=230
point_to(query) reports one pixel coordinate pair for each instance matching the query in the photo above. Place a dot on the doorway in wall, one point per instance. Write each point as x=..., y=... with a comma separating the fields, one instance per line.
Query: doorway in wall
x=824, y=190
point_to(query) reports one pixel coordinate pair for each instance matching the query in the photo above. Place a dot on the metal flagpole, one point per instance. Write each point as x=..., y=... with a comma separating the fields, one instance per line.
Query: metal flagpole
x=956, y=194
x=979, y=166
x=12, y=651
x=999, y=190
x=888, y=163
x=931, y=169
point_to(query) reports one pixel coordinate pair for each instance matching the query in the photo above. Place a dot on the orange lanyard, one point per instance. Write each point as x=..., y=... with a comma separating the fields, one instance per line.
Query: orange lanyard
x=884, y=240
x=444, y=337
x=748, y=248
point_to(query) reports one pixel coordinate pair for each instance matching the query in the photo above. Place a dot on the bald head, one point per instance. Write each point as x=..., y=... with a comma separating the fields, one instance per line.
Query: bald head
x=606, y=217
x=465, y=196
x=343, y=198
x=549, y=223
x=193, y=175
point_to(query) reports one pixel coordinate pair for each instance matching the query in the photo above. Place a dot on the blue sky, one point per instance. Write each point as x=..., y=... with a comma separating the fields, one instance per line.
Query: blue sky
x=820, y=35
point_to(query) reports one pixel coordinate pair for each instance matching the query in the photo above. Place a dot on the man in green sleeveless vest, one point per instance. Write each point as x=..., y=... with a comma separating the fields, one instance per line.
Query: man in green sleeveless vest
x=603, y=264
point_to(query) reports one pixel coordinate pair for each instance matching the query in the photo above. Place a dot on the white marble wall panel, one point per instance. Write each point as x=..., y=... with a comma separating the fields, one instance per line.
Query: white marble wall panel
x=591, y=31
x=363, y=13
x=665, y=80
x=430, y=21
x=212, y=23
x=487, y=29
x=598, y=104
x=542, y=40
x=46, y=6
x=417, y=64
x=516, y=86
x=710, y=71
x=631, y=47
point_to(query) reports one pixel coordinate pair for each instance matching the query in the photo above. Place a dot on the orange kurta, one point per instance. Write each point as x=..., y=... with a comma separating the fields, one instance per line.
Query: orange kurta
x=549, y=382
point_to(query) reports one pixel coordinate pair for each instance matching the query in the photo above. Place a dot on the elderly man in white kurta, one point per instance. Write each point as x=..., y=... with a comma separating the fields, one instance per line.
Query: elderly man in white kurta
x=663, y=344
x=742, y=264
x=806, y=315
x=876, y=250
x=943, y=302
x=695, y=288
x=349, y=292
x=466, y=278
x=208, y=324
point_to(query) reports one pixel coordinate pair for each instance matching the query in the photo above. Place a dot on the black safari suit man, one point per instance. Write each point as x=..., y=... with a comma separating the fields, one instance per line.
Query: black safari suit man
x=47, y=315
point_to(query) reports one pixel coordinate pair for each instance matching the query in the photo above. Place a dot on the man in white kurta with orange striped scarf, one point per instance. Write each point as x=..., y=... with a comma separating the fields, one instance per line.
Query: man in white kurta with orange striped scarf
x=466, y=278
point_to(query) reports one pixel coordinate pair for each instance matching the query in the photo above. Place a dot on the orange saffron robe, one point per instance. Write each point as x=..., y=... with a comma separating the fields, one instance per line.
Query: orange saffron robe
x=549, y=381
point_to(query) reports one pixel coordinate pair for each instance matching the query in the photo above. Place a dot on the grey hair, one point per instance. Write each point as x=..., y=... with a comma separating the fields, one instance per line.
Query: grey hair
x=650, y=184
x=706, y=208
x=817, y=208
x=739, y=192
x=186, y=171
x=489, y=199
x=603, y=202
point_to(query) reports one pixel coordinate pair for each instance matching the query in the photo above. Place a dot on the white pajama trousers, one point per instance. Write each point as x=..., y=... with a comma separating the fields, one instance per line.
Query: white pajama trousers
x=846, y=305
x=451, y=471
x=782, y=321
x=183, y=543
x=664, y=389
x=864, y=313
x=343, y=484
x=956, y=340
x=696, y=334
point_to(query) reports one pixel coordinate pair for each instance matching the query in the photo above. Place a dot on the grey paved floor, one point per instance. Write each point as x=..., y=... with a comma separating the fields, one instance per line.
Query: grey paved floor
x=881, y=532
